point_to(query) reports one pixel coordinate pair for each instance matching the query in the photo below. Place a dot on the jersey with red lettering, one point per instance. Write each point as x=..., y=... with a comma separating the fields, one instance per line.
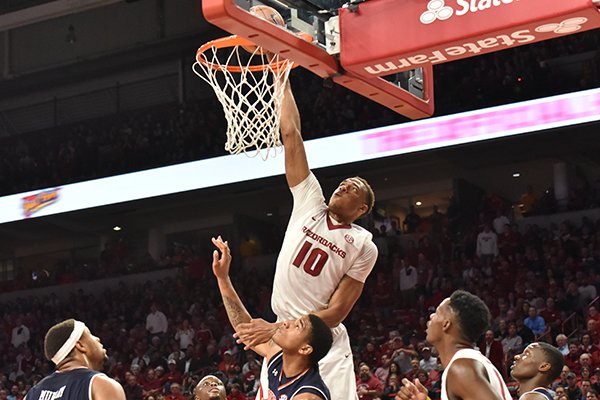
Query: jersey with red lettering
x=316, y=253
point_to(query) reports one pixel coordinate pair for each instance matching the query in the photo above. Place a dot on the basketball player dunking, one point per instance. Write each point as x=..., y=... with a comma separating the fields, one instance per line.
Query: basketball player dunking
x=324, y=260
x=468, y=375
x=78, y=356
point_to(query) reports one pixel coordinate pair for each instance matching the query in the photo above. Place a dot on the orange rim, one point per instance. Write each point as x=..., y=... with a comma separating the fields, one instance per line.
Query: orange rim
x=235, y=40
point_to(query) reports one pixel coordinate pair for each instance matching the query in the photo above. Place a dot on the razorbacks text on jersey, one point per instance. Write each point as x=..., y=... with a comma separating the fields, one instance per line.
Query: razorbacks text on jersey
x=75, y=384
x=282, y=387
x=316, y=254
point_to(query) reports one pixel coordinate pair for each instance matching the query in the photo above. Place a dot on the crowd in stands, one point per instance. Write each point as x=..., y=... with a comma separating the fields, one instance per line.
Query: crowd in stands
x=540, y=283
x=161, y=337
x=196, y=129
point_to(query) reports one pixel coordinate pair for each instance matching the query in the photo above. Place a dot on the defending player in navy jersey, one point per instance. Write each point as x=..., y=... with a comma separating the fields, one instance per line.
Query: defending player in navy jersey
x=78, y=356
x=293, y=352
x=535, y=369
x=325, y=259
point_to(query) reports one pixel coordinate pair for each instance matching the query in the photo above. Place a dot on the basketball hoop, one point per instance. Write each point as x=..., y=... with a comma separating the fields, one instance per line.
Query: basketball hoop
x=249, y=86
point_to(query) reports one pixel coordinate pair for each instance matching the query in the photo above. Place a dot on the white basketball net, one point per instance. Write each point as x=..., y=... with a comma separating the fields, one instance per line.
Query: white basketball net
x=250, y=88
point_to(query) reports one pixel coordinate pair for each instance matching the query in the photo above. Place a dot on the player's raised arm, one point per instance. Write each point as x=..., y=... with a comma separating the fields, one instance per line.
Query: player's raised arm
x=236, y=312
x=296, y=164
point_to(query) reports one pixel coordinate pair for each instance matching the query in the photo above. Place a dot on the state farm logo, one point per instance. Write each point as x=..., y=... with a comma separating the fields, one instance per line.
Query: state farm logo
x=567, y=26
x=438, y=10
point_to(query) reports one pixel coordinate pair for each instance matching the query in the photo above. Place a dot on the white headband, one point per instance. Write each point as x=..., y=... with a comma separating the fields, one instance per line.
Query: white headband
x=209, y=376
x=70, y=343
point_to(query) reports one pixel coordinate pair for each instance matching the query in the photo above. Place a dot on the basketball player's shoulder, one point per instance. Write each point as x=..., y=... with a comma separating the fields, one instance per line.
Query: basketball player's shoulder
x=364, y=234
x=360, y=230
x=104, y=387
x=464, y=366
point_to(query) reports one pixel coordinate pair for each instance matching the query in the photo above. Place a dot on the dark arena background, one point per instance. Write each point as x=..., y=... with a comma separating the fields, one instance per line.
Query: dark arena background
x=114, y=177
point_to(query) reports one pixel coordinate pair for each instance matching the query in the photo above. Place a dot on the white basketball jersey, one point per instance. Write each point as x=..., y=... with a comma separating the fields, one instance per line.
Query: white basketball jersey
x=494, y=376
x=316, y=254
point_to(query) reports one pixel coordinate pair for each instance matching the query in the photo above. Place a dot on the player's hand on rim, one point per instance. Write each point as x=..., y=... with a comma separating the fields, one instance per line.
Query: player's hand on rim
x=221, y=263
x=412, y=391
x=255, y=332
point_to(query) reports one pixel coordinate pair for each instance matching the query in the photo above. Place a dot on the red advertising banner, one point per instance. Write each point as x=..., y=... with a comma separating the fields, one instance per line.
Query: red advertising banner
x=384, y=37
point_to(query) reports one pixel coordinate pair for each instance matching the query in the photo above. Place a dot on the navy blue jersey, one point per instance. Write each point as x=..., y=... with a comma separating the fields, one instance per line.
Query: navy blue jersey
x=70, y=385
x=284, y=388
x=543, y=392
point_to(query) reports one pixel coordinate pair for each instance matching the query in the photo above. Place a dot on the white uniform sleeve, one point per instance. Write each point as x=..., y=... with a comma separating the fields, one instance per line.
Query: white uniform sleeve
x=362, y=266
x=307, y=195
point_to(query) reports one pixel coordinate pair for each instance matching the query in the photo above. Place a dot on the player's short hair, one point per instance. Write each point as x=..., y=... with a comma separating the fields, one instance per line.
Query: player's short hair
x=320, y=338
x=370, y=193
x=472, y=314
x=555, y=358
x=57, y=336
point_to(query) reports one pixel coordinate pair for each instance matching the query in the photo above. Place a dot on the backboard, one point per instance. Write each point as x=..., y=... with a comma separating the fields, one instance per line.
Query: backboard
x=385, y=50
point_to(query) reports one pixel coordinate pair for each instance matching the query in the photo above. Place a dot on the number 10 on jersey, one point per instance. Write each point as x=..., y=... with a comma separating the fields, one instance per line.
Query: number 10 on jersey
x=314, y=263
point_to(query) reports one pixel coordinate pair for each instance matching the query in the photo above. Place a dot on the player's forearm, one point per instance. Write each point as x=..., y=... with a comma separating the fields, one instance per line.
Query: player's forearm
x=296, y=164
x=290, y=117
x=236, y=312
x=341, y=302
x=332, y=316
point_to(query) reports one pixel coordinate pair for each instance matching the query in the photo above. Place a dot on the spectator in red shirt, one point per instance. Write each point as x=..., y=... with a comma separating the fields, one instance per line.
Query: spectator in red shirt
x=572, y=359
x=227, y=363
x=592, y=329
x=551, y=316
x=585, y=361
x=175, y=393
x=236, y=393
x=368, y=386
x=152, y=385
x=204, y=334
x=593, y=314
x=370, y=355
x=588, y=346
x=173, y=375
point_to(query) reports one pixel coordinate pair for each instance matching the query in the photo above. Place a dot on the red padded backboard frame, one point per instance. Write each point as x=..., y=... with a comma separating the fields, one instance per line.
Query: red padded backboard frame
x=228, y=16
x=404, y=34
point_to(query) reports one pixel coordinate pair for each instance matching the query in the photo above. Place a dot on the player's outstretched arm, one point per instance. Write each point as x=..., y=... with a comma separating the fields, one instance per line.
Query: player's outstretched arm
x=236, y=312
x=467, y=380
x=105, y=388
x=296, y=164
